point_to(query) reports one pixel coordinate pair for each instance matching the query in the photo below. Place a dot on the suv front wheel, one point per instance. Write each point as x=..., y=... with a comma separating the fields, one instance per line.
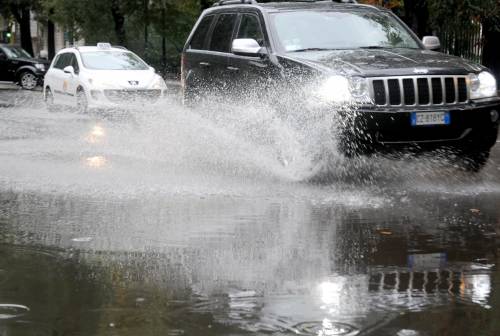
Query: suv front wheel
x=28, y=80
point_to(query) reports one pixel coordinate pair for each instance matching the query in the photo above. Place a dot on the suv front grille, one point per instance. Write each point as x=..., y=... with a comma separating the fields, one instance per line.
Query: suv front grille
x=419, y=90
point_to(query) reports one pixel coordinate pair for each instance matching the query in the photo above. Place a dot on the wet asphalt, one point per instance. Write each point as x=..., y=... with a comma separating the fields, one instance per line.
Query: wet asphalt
x=157, y=222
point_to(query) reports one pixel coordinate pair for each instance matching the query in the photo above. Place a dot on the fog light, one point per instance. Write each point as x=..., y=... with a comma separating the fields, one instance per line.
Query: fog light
x=494, y=115
x=95, y=94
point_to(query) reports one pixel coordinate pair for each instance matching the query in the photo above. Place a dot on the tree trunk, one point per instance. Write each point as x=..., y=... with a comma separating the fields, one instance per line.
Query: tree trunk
x=417, y=16
x=204, y=4
x=146, y=24
x=23, y=17
x=119, y=20
x=491, y=50
x=25, y=25
x=51, y=43
x=163, y=40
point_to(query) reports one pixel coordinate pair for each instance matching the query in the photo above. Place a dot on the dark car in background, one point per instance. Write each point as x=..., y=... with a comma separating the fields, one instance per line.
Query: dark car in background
x=17, y=65
x=362, y=63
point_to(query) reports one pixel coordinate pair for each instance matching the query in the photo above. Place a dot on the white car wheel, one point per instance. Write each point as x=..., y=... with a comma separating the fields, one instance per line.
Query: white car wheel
x=49, y=100
x=81, y=101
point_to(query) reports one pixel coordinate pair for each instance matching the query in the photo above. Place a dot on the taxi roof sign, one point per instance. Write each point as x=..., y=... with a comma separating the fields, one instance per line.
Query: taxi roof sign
x=103, y=45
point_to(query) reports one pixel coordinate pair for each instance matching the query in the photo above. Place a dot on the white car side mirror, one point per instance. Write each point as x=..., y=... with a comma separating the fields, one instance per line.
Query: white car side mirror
x=431, y=42
x=69, y=69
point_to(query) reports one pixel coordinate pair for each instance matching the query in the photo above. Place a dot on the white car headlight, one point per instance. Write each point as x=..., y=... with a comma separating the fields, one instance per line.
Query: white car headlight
x=40, y=66
x=342, y=90
x=483, y=85
x=159, y=84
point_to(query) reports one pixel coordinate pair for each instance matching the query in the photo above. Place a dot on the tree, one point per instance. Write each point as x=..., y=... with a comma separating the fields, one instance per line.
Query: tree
x=20, y=10
x=460, y=14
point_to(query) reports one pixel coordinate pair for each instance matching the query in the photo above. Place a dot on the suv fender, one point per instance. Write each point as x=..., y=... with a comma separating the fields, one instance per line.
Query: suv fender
x=24, y=68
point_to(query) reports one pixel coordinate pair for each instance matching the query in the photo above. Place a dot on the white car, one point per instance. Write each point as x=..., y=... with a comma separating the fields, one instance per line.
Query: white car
x=101, y=76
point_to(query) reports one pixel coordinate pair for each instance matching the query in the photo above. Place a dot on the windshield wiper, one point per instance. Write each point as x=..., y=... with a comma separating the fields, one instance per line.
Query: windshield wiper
x=312, y=49
x=375, y=47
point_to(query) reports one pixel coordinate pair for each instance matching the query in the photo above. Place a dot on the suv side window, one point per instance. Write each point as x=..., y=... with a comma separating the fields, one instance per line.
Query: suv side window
x=250, y=28
x=223, y=33
x=198, y=40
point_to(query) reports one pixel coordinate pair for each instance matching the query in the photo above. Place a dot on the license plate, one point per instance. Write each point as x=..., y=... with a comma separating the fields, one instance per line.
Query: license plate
x=430, y=118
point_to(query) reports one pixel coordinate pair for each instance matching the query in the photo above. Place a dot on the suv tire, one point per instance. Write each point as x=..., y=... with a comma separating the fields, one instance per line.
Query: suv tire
x=473, y=160
x=28, y=80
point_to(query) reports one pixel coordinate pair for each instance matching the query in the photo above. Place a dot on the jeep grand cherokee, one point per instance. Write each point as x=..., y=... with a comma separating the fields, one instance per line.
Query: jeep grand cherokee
x=350, y=57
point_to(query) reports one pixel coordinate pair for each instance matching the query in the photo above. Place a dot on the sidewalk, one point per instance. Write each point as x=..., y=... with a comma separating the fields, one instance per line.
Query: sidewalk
x=7, y=86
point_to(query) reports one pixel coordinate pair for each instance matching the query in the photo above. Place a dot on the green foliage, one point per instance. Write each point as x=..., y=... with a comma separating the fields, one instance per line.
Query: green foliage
x=146, y=23
x=460, y=13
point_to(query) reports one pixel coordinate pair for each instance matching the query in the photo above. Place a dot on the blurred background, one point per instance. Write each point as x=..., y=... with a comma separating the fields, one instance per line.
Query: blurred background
x=157, y=29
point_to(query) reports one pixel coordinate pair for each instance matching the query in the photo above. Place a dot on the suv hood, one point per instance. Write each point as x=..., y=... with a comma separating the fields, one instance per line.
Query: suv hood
x=26, y=60
x=386, y=62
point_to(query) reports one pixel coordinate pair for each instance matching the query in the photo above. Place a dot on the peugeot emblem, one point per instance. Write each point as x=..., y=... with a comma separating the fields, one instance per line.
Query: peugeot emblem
x=133, y=82
x=420, y=71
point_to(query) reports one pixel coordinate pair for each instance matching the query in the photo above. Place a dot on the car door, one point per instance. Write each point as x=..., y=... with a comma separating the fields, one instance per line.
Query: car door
x=59, y=78
x=72, y=80
x=219, y=51
x=6, y=73
x=195, y=60
x=250, y=75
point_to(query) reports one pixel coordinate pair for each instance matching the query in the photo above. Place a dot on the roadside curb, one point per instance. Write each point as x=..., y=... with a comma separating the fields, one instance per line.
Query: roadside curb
x=5, y=104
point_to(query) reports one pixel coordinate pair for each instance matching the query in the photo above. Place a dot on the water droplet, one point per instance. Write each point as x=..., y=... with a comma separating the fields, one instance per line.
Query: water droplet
x=82, y=239
x=407, y=332
x=8, y=310
x=326, y=328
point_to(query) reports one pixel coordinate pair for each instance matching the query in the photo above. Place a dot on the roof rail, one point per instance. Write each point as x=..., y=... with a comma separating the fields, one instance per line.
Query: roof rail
x=234, y=2
x=346, y=1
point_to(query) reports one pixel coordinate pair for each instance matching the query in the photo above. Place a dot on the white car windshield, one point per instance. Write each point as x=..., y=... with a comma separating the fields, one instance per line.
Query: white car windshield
x=112, y=60
x=315, y=30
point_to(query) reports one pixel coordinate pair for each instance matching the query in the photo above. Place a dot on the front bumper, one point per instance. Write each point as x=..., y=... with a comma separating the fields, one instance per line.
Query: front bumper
x=125, y=98
x=471, y=126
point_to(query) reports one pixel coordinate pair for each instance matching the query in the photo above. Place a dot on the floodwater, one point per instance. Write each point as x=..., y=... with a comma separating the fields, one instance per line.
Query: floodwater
x=160, y=222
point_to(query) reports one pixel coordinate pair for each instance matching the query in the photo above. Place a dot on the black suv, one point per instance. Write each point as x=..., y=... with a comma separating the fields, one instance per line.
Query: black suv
x=17, y=65
x=359, y=62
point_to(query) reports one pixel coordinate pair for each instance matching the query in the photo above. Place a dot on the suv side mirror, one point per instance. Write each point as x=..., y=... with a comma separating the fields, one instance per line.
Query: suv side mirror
x=69, y=70
x=431, y=42
x=247, y=47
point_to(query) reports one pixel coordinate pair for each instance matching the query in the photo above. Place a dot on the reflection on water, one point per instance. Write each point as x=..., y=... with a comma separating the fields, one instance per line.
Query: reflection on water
x=246, y=266
x=168, y=224
x=96, y=134
x=96, y=161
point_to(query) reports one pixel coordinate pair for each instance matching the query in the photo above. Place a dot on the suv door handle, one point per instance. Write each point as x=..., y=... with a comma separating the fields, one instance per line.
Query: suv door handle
x=230, y=68
x=205, y=64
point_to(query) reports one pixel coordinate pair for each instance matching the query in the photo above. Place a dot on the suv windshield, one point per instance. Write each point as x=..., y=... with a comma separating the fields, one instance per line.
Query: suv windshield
x=112, y=60
x=314, y=30
x=16, y=52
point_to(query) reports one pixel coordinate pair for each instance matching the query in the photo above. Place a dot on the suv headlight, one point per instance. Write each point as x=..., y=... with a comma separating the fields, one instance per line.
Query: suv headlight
x=343, y=90
x=483, y=85
x=40, y=66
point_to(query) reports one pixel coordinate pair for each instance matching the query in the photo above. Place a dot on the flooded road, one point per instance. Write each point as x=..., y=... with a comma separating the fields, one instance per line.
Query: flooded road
x=162, y=223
